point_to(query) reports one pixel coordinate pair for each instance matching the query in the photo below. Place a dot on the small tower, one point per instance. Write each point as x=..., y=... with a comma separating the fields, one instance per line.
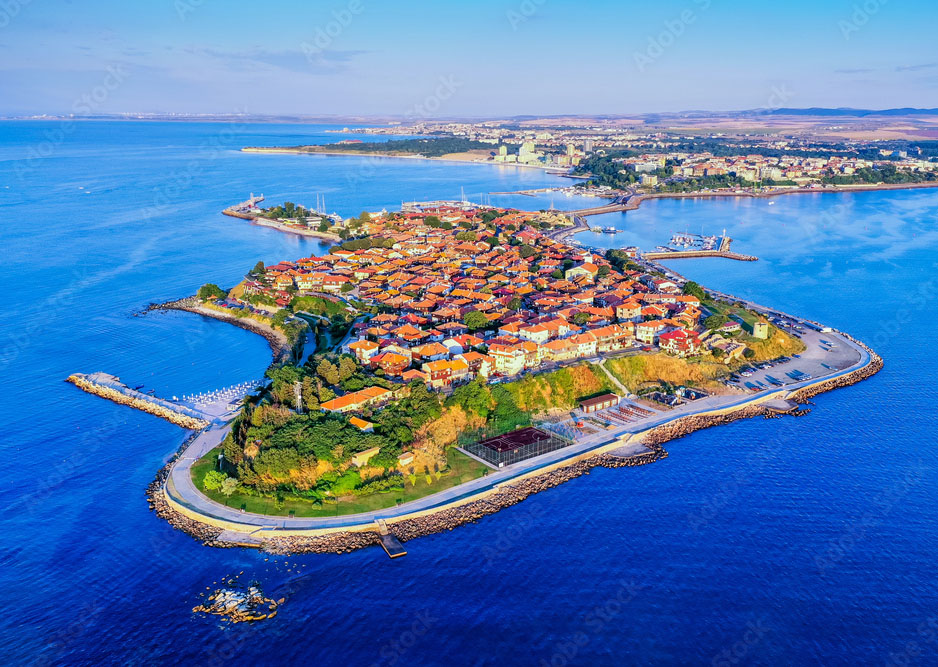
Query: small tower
x=298, y=396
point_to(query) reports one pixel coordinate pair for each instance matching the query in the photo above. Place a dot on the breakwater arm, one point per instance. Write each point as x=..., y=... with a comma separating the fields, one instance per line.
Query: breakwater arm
x=111, y=388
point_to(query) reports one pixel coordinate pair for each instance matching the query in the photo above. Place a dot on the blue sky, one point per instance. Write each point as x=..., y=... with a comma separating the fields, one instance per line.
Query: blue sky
x=480, y=58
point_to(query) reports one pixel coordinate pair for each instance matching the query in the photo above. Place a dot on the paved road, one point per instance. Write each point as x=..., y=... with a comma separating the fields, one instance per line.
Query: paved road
x=181, y=488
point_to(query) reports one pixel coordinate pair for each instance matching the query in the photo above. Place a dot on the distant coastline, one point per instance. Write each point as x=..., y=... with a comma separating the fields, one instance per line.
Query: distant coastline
x=457, y=158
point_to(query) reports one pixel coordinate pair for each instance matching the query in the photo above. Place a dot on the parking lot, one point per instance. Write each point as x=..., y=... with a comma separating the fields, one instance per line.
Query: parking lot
x=826, y=353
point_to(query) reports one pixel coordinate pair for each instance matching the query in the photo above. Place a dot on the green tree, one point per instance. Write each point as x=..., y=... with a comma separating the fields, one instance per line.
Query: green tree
x=213, y=480
x=347, y=368
x=515, y=303
x=323, y=226
x=715, y=321
x=603, y=271
x=693, y=289
x=557, y=273
x=310, y=394
x=475, y=320
x=581, y=318
x=211, y=291
x=328, y=372
x=432, y=221
x=228, y=486
x=258, y=269
x=280, y=317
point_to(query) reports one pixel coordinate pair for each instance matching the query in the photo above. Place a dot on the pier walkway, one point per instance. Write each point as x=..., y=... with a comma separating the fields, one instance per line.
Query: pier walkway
x=195, y=411
x=622, y=203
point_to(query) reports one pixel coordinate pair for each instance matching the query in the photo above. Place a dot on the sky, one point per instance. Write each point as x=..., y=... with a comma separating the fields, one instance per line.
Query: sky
x=447, y=58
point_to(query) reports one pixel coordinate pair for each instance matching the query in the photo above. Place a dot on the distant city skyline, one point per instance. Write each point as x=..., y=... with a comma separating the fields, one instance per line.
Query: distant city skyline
x=488, y=59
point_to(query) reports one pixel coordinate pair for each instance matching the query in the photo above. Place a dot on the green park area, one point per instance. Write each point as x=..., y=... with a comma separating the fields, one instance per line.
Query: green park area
x=459, y=470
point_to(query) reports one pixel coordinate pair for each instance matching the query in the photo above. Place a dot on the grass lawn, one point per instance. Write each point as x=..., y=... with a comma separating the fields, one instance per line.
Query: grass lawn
x=461, y=469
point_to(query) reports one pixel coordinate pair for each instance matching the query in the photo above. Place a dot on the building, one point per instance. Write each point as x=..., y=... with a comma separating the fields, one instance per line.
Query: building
x=362, y=458
x=681, y=342
x=599, y=403
x=405, y=459
x=356, y=400
x=587, y=269
x=361, y=424
x=760, y=329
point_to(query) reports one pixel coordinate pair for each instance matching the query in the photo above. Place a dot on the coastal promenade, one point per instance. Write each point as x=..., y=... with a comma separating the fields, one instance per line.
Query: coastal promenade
x=820, y=364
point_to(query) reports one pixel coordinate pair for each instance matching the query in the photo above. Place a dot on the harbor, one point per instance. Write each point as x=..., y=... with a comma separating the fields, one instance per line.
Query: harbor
x=698, y=246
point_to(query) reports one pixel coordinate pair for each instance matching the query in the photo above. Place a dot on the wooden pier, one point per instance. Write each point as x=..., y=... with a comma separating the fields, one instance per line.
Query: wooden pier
x=392, y=546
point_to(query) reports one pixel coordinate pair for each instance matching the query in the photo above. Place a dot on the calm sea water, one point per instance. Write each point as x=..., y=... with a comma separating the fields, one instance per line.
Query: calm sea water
x=807, y=540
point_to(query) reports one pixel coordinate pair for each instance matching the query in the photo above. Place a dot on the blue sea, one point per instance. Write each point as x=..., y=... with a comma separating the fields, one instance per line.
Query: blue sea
x=808, y=540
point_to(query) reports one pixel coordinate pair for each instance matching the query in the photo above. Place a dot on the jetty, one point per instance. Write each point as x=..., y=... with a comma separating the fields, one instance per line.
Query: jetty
x=246, y=210
x=193, y=412
x=723, y=251
x=391, y=545
x=627, y=202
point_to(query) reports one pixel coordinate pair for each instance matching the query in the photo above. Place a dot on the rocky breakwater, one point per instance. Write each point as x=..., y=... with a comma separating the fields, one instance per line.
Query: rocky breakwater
x=685, y=425
x=332, y=543
x=156, y=499
x=139, y=402
x=279, y=345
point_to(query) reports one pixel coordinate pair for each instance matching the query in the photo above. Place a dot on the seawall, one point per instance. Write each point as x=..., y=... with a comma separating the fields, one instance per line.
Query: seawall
x=457, y=513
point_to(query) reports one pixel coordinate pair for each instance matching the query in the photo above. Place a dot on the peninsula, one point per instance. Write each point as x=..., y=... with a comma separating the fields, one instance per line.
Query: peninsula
x=463, y=360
